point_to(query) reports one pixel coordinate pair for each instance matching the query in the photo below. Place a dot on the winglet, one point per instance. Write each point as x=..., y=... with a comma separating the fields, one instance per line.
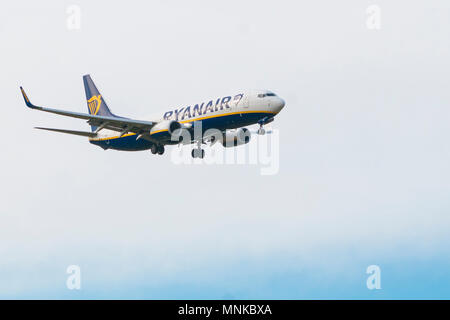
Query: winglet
x=27, y=101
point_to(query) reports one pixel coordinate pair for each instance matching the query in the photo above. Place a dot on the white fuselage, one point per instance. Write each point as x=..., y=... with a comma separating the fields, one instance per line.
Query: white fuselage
x=227, y=112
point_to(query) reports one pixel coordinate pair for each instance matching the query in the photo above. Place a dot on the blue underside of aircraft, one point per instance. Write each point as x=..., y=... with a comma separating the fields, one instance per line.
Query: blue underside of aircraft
x=129, y=143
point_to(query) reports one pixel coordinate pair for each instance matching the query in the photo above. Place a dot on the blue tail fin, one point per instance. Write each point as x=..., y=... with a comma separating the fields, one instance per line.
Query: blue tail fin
x=95, y=102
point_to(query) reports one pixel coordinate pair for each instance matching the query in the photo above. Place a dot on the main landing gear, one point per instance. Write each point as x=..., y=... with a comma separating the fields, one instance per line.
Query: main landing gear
x=157, y=149
x=198, y=152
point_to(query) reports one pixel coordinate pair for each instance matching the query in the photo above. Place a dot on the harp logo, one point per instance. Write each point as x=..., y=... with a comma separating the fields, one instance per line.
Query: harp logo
x=94, y=104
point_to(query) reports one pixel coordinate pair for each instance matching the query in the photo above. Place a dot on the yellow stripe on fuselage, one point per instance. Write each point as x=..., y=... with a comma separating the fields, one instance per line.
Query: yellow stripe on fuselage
x=162, y=130
x=186, y=121
x=222, y=115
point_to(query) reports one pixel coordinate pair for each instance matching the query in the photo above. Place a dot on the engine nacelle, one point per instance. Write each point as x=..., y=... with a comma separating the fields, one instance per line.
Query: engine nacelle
x=236, y=137
x=165, y=128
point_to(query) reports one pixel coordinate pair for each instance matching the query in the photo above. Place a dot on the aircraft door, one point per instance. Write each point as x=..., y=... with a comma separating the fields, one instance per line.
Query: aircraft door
x=246, y=101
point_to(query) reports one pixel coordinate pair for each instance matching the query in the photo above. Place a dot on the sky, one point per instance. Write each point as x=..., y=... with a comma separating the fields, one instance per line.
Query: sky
x=363, y=151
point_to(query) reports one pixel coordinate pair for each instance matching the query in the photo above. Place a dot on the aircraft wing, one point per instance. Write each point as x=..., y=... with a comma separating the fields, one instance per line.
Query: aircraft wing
x=120, y=124
x=77, y=133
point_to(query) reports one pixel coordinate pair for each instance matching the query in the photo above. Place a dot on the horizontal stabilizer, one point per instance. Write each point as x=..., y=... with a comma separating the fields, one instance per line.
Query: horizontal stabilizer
x=78, y=133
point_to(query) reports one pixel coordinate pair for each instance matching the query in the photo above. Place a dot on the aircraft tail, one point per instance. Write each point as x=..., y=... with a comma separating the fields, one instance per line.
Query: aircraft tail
x=95, y=102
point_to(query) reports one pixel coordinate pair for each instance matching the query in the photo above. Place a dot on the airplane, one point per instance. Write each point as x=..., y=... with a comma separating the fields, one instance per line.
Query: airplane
x=228, y=115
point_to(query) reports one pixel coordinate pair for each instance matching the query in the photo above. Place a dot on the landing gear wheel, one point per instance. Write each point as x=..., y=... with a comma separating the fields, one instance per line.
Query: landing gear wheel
x=198, y=153
x=154, y=149
x=160, y=150
x=261, y=131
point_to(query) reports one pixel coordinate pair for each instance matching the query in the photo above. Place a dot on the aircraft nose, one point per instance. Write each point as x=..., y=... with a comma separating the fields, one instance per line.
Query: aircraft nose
x=278, y=104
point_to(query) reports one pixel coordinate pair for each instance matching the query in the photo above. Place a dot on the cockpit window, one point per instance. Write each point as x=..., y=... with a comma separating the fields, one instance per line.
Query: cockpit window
x=262, y=95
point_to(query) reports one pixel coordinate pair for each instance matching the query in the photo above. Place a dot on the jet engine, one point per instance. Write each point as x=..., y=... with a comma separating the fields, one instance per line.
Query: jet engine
x=233, y=138
x=165, y=128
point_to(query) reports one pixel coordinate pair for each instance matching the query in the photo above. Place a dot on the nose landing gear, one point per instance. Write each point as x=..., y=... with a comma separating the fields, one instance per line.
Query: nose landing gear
x=262, y=122
x=261, y=130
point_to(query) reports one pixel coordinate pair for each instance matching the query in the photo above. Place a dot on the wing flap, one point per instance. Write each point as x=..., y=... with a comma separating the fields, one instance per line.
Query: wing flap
x=74, y=132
